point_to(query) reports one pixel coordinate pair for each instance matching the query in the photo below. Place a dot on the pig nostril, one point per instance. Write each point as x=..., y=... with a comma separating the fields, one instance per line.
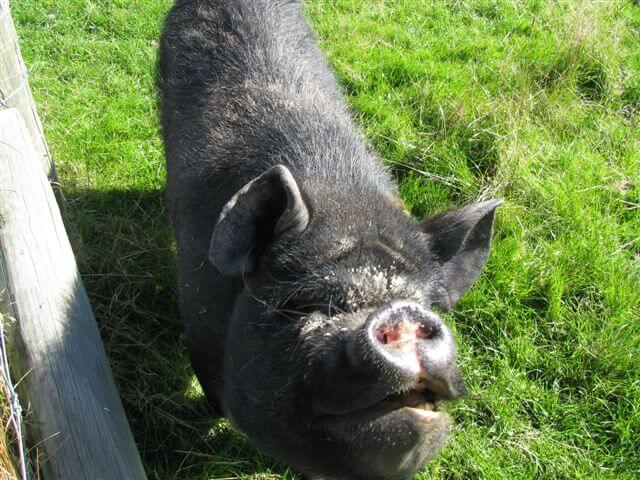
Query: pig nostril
x=425, y=333
x=387, y=335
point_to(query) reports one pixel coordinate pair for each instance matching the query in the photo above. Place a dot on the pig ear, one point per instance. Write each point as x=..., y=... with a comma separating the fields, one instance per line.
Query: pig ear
x=262, y=210
x=461, y=243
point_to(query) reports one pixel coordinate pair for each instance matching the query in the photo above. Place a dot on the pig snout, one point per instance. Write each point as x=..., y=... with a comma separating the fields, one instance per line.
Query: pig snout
x=408, y=341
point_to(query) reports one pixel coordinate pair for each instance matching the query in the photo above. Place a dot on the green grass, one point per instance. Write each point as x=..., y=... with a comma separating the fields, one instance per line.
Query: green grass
x=534, y=101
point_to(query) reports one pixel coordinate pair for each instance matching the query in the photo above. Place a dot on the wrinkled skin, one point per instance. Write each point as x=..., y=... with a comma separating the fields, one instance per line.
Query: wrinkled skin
x=309, y=296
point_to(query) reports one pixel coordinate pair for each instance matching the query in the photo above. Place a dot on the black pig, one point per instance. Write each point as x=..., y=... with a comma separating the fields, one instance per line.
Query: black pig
x=308, y=294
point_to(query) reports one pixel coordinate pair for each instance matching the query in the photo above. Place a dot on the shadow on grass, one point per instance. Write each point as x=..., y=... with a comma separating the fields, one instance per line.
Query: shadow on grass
x=125, y=253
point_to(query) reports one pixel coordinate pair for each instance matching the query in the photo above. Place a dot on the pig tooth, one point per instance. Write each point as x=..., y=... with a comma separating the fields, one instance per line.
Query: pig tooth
x=426, y=416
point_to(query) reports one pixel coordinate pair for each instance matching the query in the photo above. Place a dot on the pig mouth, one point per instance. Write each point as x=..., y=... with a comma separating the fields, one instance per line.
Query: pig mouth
x=420, y=404
x=420, y=400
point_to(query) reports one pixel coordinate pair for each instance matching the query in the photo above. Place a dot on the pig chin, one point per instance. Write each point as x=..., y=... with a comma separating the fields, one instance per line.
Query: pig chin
x=390, y=443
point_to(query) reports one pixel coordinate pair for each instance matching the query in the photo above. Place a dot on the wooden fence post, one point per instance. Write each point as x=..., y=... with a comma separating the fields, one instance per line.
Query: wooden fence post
x=74, y=408
x=14, y=86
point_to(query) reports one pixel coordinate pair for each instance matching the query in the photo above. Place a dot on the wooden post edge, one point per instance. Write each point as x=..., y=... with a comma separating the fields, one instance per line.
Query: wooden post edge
x=75, y=410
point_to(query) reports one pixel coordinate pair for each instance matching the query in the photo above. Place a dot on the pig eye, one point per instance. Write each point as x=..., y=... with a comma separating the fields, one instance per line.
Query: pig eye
x=308, y=307
x=440, y=300
x=441, y=306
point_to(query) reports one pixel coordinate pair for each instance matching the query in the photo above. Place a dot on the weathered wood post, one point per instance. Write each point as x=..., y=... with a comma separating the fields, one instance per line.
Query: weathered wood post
x=75, y=413
x=14, y=87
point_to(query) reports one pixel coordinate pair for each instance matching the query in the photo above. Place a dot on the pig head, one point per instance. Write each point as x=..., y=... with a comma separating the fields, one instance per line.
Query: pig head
x=336, y=359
